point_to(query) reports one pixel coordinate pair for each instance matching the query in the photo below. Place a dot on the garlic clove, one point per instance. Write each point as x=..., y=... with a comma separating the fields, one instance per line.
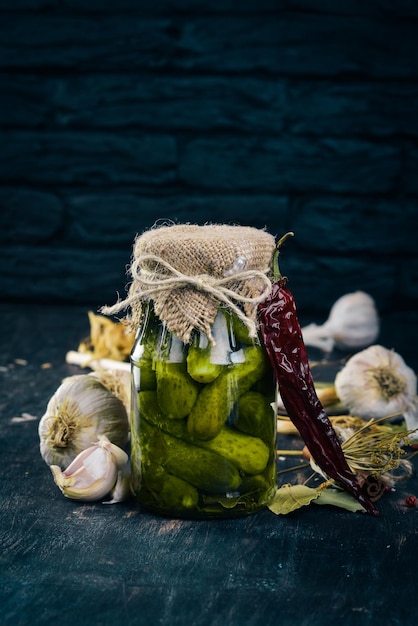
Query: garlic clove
x=122, y=489
x=93, y=473
x=353, y=323
x=376, y=382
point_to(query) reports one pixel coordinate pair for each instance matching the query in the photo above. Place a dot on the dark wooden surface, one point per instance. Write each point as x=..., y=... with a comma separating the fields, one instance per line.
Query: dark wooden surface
x=70, y=563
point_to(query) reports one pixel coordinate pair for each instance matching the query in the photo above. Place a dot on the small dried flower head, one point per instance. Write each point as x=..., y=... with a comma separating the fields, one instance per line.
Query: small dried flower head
x=374, y=450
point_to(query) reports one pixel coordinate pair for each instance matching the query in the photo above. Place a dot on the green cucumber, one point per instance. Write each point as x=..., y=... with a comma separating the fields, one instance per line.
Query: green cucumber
x=216, y=400
x=165, y=490
x=176, y=391
x=249, y=454
x=201, y=468
x=255, y=416
x=199, y=365
x=150, y=410
x=142, y=358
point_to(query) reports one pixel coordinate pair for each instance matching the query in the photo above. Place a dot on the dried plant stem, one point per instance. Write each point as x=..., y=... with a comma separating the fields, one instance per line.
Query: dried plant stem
x=74, y=357
x=286, y=427
x=289, y=452
x=327, y=395
x=293, y=468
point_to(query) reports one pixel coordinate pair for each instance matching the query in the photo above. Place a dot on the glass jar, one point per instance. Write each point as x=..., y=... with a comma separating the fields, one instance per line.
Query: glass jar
x=203, y=428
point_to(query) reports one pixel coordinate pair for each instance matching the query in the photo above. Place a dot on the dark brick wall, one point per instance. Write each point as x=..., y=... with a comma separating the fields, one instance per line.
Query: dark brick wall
x=291, y=115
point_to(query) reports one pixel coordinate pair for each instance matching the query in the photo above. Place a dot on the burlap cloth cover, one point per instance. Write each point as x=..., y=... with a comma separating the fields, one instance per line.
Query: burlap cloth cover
x=189, y=271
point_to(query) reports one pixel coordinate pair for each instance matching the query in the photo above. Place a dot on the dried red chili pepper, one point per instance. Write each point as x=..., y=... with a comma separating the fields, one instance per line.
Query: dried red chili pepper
x=282, y=337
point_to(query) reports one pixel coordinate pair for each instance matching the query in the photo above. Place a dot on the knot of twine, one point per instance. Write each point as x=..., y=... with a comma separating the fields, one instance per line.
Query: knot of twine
x=150, y=283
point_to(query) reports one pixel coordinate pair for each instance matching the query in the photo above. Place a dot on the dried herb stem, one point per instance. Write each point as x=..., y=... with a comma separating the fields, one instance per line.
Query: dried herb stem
x=289, y=452
x=294, y=468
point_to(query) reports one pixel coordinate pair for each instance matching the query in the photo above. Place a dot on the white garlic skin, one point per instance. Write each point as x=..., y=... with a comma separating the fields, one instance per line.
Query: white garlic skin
x=122, y=490
x=80, y=411
x=411, y=420
x=353, y=323
x=117, y=382
x=354, y=320
x=375, y=383
x=93, y=474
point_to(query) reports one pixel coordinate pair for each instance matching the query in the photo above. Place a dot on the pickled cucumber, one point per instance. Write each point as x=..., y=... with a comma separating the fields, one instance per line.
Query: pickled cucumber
x=248, y=454
x=165, y=490
x=199, y=365
x=201, y=468
x=159, y=488
x=253, y=492
x=241, y=331
x=177, y=494
x=143, y=360
x=149, y=410
x=255, y=416
x=176, y=391
x=257, y=482
x=216, y=400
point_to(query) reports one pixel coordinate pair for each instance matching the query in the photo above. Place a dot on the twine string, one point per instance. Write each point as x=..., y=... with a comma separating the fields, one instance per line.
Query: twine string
x=150, y=283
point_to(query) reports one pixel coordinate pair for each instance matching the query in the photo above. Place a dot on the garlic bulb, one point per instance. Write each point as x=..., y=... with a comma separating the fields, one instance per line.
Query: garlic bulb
x=375, y=383
x=353, y=323
x=118, y=382
x=93, y=474
x=79, y=412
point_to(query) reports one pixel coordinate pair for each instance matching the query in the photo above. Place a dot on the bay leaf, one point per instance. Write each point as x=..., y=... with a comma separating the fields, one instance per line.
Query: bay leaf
x=288, y=498
x=336, y=497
